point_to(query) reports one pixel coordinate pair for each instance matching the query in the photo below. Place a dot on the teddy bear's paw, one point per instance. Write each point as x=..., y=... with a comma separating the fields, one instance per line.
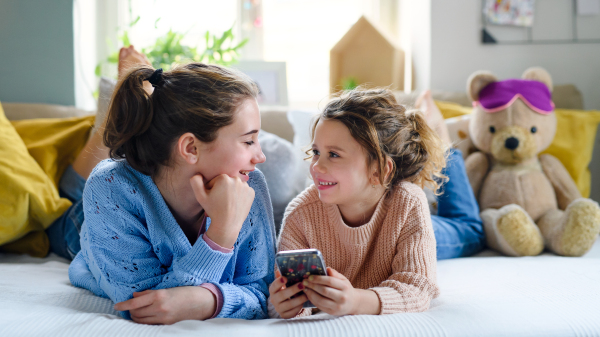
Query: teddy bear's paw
x=514, y=232
x=582, y=225
x=520, y=233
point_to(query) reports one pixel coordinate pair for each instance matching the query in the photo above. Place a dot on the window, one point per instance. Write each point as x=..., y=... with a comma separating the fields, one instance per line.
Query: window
x=299, y=32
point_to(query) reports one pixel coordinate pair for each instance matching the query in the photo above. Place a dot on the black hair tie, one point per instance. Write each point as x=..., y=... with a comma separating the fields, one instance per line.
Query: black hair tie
x=155, y=78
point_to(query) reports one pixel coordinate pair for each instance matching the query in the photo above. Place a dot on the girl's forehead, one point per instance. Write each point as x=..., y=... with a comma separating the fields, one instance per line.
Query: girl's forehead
x=334, y=133
x=245, y=119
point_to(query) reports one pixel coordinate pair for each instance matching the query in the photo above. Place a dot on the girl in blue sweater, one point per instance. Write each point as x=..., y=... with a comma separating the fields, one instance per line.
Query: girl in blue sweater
x=178, y=223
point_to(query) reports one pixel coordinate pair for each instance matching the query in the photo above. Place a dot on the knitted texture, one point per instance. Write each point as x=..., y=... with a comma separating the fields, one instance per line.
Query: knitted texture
x=393, y=254
x=131, y=242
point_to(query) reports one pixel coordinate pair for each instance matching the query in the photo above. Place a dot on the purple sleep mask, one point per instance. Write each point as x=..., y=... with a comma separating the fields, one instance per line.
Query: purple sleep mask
x=498, y=96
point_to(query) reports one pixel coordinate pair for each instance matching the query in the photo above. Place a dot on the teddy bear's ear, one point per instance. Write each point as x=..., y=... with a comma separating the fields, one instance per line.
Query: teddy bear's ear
x=478, y=81
x=538, y=74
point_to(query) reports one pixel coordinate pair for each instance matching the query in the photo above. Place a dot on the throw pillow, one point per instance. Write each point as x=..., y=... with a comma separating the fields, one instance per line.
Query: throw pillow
x=29, y=200
x=283, y=172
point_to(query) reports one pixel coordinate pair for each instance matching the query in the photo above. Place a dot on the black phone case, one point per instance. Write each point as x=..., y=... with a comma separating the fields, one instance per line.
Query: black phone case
x=297, y=265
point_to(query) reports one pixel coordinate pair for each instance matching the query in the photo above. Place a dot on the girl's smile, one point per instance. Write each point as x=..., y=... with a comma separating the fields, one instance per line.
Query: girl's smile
x=324, y=184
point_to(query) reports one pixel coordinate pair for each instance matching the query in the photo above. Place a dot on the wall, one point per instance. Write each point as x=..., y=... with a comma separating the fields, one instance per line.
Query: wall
x=456, y=50
x=415, y=38
x=36, y=51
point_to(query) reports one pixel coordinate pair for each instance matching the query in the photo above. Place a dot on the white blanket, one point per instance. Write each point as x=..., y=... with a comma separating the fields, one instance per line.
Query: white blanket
x=487, y=295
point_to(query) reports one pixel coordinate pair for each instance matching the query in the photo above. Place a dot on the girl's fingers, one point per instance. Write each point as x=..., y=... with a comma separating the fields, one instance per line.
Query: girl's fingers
x=328, y=292
x=328, y=281
x=319, y=301
x=292, y=312
x=197, y=183
x=292, y=304
x=152, y=320
x=291, y=291
x=334, y=273
x=138, y=294
x=134, y=303
x=277, y=285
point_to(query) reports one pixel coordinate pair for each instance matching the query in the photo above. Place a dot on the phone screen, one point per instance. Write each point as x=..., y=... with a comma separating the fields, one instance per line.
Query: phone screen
x=297, y=265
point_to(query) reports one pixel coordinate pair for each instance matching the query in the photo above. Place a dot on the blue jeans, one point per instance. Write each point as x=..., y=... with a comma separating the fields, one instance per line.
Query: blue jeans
x=64, y=231
x=458, y=228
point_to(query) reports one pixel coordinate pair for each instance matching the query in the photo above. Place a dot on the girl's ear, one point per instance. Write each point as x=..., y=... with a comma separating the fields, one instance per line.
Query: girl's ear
x=187, y=148
x=389, y=166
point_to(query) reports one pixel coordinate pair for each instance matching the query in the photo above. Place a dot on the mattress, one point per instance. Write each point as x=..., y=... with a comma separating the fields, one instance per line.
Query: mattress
x=484, y=295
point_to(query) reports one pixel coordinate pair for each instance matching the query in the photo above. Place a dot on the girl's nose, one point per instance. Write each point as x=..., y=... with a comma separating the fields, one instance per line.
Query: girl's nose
x=318, y=167
x=259, y=157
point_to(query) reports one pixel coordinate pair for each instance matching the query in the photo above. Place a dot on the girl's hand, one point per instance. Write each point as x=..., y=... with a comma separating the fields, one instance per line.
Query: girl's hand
x=227, y=201
x=168, y=306
x=285, y=306
x=335, y=295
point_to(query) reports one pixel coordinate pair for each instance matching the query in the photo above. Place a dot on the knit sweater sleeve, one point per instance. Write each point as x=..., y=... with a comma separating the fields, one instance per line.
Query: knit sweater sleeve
x=413, y=283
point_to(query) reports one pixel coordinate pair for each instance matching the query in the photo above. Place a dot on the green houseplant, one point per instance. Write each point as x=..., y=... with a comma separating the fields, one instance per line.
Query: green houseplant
x=168, y=50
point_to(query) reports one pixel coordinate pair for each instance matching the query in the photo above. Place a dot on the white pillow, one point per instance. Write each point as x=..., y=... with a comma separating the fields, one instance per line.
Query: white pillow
x=458, y=128
x=105, y=91
x=284, y=172
x=301, y=121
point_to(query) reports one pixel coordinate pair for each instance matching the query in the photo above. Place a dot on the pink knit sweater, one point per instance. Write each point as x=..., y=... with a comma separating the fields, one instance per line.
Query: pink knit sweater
x=393, y=254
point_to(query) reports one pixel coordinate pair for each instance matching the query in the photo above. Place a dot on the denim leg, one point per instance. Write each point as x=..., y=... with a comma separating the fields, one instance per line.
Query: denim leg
x=64, y=231
x=458, y=228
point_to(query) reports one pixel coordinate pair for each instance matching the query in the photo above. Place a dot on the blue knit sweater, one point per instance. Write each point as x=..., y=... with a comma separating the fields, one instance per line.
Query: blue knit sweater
x=131, y=242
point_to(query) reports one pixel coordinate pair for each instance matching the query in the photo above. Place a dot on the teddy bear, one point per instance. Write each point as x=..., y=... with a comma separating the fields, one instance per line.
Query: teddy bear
x=528, y=201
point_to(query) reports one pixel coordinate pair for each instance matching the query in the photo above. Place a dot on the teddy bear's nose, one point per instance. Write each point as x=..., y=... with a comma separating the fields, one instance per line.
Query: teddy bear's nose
x=511, y=143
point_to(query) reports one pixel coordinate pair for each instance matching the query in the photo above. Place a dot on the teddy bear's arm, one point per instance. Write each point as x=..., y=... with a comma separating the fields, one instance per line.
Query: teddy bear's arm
x=477, y=166
x=564, y=186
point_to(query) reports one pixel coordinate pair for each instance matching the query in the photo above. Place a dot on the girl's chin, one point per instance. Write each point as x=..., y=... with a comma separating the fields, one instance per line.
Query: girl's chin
x=327, y=197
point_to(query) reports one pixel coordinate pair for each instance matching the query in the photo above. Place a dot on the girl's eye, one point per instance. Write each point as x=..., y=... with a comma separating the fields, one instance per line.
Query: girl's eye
x=249, y=143
x=333, y=155
x=315, y=152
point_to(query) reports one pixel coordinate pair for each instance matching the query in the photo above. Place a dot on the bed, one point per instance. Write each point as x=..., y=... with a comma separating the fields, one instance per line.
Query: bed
x=484, y=295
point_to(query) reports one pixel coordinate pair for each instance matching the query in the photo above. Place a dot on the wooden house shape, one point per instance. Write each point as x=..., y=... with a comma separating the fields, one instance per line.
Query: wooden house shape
x=369, y=55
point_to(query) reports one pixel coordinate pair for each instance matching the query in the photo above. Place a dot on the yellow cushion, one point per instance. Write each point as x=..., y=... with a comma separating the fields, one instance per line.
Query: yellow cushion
x=54, y=142
x=577, y=130
x=30, y=168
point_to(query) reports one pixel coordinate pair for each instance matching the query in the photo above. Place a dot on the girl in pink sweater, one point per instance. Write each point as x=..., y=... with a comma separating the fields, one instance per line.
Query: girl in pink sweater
x=366, y=212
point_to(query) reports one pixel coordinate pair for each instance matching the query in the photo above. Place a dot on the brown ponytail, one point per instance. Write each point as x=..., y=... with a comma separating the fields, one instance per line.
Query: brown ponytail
x=386, y=130
x=198, y=98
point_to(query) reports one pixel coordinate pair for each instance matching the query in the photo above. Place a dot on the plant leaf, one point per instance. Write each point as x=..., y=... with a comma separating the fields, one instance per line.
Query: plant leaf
x=132, y=23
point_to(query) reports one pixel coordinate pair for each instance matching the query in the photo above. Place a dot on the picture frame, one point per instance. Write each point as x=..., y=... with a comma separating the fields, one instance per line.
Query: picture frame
x=271, y=78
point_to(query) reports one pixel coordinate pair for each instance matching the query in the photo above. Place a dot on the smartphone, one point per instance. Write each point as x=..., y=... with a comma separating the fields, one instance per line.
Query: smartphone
x=297, y=265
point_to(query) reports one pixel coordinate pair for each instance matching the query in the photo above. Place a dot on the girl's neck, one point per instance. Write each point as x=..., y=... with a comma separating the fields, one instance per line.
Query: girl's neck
x=360, y=212
x=177, y=192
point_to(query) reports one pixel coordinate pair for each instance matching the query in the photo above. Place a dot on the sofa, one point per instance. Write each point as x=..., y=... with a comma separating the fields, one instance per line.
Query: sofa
x=484, y=295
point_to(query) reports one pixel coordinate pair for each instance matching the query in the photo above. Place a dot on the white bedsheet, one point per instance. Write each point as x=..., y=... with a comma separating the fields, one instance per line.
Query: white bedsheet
x=487, y=295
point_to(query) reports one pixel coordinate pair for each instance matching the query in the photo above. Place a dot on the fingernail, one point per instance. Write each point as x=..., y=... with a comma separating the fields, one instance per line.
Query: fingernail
x=300, y=286
x=281, y=279
x=311, y=278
